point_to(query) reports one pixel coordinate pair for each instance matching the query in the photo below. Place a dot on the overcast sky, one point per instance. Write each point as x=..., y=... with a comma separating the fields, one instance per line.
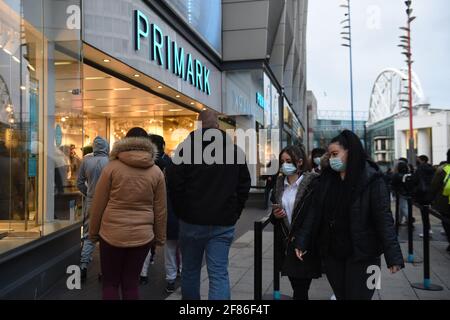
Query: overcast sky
x=375, y=25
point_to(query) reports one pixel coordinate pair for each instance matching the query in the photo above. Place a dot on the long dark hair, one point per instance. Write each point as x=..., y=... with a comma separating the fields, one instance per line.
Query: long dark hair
x=356, y=159
x=297, y=153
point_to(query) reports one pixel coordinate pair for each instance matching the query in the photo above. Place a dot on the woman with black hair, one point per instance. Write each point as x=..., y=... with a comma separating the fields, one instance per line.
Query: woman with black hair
x=292, y=203
x=353, y=224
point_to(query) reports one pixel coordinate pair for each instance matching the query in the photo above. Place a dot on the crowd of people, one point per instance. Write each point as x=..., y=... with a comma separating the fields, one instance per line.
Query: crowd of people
x=333, y=210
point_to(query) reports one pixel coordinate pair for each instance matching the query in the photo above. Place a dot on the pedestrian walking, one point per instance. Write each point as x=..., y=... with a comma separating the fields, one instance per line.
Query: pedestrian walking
x=209, y=196
x=353, y=221
x=89, y=173
x=292, y=201
x=129, y=213
x=439, y=194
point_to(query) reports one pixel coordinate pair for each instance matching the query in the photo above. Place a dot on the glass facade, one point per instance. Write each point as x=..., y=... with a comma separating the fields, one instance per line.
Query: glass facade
x=40, y=118
x=204, y=16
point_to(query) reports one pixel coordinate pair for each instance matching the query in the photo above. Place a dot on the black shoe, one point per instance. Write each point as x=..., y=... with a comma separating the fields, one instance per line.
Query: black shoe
x=83, y=274
x=143, y=280
x=170, y=288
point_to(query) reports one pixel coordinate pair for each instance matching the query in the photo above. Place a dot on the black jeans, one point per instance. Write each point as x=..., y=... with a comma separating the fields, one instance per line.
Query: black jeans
x=349, y=279
x=300, y=287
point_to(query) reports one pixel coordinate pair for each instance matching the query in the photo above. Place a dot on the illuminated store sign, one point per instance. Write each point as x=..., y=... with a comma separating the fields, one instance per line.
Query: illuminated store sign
x=169, y=55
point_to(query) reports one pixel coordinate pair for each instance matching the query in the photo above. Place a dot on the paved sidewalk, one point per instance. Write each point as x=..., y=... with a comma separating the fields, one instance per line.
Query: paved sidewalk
x=393, y=287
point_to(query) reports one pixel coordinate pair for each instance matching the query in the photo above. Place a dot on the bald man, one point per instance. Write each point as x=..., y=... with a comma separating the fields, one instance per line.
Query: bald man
x=208, y=197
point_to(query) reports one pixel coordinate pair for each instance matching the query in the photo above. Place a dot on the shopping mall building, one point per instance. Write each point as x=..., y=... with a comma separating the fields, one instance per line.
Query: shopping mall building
x=72, y=70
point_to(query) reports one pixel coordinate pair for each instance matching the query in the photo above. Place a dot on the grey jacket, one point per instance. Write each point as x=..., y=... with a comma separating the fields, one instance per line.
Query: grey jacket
x=92, y=167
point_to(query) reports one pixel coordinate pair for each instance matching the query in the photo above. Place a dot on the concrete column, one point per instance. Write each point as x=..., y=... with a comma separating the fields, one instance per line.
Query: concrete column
x=424, y=142
x=403, y=145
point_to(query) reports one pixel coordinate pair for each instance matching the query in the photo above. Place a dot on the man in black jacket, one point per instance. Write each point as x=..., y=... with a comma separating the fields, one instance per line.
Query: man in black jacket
x=209, y=185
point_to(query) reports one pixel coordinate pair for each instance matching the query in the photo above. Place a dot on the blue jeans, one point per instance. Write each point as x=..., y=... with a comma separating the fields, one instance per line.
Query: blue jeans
x=403, y=207
x=215, y=241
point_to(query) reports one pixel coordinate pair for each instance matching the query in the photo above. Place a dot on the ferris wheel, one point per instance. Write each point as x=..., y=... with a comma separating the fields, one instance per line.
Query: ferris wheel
x=390, y=94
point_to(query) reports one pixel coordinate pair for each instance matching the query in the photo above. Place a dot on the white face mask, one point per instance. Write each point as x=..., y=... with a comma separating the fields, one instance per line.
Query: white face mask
x=288, y=169
x=317, y=161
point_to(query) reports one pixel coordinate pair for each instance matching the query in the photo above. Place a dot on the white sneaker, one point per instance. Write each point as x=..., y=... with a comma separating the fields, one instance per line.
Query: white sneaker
x=430, y=233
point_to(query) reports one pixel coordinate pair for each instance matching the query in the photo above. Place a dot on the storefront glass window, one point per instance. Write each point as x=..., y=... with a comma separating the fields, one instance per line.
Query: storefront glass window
x=41, y=123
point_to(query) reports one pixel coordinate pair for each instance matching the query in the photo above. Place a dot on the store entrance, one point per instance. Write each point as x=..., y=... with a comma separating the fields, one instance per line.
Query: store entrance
x=117, y=98
x=112, y=107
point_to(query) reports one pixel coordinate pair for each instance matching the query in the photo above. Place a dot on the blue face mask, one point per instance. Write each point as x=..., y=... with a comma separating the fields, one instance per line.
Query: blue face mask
x=337, y=165
x=288, y=169
x=317, y=161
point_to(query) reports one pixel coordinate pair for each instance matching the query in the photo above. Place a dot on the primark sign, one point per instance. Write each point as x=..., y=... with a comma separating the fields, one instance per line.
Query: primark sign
x=169, y=55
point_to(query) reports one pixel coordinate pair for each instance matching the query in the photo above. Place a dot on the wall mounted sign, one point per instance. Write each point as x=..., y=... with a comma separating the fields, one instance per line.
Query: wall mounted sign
x=260, y=100
x=167, y=54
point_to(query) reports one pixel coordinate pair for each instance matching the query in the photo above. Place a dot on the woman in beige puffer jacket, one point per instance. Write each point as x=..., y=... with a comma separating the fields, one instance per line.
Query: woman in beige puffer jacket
x=129, y=213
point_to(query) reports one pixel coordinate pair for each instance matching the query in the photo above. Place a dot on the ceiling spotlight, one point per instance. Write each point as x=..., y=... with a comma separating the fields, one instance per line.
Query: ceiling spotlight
x=106, y=60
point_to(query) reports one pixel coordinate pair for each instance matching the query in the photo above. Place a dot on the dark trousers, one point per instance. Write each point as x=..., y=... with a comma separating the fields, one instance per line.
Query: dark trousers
x=121, y=268
x=300, y=287
x=349, y=279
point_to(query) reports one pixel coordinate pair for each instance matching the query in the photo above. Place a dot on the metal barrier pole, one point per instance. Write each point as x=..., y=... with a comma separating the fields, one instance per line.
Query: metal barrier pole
x=410, y=232
x=411, y=258
x=426, y=285
x=257, y=281
x=276, y=262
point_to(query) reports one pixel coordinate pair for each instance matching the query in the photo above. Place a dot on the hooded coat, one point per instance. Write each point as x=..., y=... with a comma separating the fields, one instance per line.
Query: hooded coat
x=129, y=207
x=92, y=166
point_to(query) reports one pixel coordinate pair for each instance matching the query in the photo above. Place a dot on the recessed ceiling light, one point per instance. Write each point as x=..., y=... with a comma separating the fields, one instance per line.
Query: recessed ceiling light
x=62, y=63
x=121, y=89
x=192, y=103
x=95, y=78
x=23, y=88
x=204, y=109
x=160, y=87
x=175, y=110
x=177, y=96
x=106, y=60
x=137, y=75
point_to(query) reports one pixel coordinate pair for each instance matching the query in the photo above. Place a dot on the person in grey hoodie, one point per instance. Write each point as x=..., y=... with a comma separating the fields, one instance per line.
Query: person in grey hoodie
x=90, y=171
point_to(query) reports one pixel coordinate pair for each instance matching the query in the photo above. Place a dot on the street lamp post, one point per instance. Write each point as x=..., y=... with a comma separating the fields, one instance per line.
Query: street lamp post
x=406, y=45
x=347, y=36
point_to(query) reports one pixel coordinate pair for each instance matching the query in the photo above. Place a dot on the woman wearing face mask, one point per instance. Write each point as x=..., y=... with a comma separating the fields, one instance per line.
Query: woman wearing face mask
x=292, y=203
x=354, y=223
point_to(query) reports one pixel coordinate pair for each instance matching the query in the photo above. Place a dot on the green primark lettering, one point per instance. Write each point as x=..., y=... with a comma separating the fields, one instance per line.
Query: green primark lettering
x=167, y=54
